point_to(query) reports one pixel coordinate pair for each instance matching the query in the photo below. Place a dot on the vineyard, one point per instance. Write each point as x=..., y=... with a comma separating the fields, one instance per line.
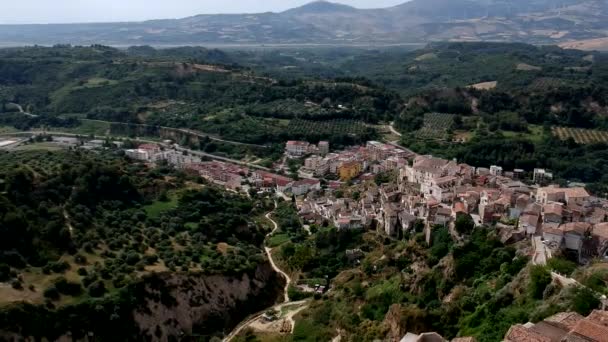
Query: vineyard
x=435, y=126
x=545, y=83
x=581, y=135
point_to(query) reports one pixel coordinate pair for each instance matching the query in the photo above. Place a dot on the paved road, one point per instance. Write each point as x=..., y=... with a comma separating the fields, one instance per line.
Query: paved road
x=393, y=130
x=186, y=131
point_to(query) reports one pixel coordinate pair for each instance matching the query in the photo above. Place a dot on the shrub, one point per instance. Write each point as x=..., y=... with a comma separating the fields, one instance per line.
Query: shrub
x=562, y=266
x=80, y=259
x=97, y=289
x=539, y=279
x=67, y=288
x=51, y=293
x=82, y=272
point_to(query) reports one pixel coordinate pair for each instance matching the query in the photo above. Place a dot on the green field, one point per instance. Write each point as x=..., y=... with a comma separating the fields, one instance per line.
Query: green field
x=535, y=133
x=42, y=146
x=277, y=240
x=89, y=127
x=158, y=207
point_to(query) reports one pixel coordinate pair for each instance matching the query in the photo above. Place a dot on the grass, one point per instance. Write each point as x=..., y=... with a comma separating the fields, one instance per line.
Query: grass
x=7, y=129
x=42, y=146
x=277, y=240
x=535, y=133
x=90, y=127
x=158, y=207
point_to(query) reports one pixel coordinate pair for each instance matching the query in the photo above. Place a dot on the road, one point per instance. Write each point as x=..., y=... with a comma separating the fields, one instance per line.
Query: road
x=182, y=130
x=193, y=152
x=540, y=255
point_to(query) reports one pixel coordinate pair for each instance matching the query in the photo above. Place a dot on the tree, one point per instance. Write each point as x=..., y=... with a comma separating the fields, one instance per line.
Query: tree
x=539, y=279
x=464, y=224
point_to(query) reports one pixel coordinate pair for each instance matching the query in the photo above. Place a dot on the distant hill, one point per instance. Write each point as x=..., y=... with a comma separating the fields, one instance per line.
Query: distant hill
x=321, y=22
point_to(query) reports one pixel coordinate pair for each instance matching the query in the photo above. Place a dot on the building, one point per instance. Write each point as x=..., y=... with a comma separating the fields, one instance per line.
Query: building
x=569, y=196
x=323, y=147
x=541, y=175
x=564, y=326
x=304, y=186
x=349, y=170
x=495, y=170
x=297, y=148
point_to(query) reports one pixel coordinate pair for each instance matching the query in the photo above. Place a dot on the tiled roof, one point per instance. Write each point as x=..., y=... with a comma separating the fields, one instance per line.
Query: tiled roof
x=590, y=330
x=518, y=333
x=566, y=319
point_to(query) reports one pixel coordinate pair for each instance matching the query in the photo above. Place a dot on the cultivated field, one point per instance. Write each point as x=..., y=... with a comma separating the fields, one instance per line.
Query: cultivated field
x=581, y=135
x=329, y=127
x=436, y=126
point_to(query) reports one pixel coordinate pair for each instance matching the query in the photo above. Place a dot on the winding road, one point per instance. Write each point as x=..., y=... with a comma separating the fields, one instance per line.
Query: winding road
x=289, y=316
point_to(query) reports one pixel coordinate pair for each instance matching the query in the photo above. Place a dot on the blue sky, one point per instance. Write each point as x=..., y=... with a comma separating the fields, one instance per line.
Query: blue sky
x=62, y=11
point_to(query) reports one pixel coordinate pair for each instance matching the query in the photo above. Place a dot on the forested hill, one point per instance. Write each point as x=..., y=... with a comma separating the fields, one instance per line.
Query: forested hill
x=99, y=246
x=185, y=87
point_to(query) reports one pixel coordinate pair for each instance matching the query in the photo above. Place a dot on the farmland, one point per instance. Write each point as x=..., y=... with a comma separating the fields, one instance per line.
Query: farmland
x=338, y=131
x=581, y=135
x=435, y=126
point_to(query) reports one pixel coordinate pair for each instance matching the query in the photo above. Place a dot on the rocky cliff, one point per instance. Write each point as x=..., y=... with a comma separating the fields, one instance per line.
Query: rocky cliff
x=159, y=307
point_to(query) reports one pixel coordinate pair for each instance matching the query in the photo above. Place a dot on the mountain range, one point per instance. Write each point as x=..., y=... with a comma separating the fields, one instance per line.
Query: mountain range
x=321, y=22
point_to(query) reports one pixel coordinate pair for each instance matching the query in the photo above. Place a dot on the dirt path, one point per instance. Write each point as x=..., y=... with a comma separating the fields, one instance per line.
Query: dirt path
x=269, y=254
x=393, y=130
x=254, y=319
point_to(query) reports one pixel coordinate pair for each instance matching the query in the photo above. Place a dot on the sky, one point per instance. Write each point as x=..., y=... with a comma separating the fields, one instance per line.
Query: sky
x=70, y=11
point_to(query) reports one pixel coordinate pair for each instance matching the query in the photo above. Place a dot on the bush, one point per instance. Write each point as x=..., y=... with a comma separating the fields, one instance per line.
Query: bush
x=16, y=284
x=584, y=301
x=562, y=266
x=82, y=272
x=51, y=293
x=539, y=279
x=67, y=288
x=97, y=289
x=80, y=259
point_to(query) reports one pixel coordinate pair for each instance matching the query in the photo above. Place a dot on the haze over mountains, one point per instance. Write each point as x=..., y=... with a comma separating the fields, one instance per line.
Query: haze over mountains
x=417, y=21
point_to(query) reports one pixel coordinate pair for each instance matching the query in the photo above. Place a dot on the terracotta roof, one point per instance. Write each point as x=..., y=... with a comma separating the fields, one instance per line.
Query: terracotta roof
x=590, y=330
x=553, y=208
x=601, y=230
x=518, y=333
x=565, y=319
x=578, y=227
x=599, y=317
x=576, y=192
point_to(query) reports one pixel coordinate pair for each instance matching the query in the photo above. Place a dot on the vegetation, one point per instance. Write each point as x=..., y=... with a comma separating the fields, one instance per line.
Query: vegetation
x=82, y=230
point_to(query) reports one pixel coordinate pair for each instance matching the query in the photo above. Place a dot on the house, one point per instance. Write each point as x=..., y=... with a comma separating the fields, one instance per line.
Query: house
x=553, y=212
x=303, y=186
x=529, y=223
x=552, y=233
x=564, y=326
x=575, y=196
x=349, y=170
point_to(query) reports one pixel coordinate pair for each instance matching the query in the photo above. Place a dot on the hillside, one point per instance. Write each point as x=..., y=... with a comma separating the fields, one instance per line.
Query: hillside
x=105, y=247
x=416, y=21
